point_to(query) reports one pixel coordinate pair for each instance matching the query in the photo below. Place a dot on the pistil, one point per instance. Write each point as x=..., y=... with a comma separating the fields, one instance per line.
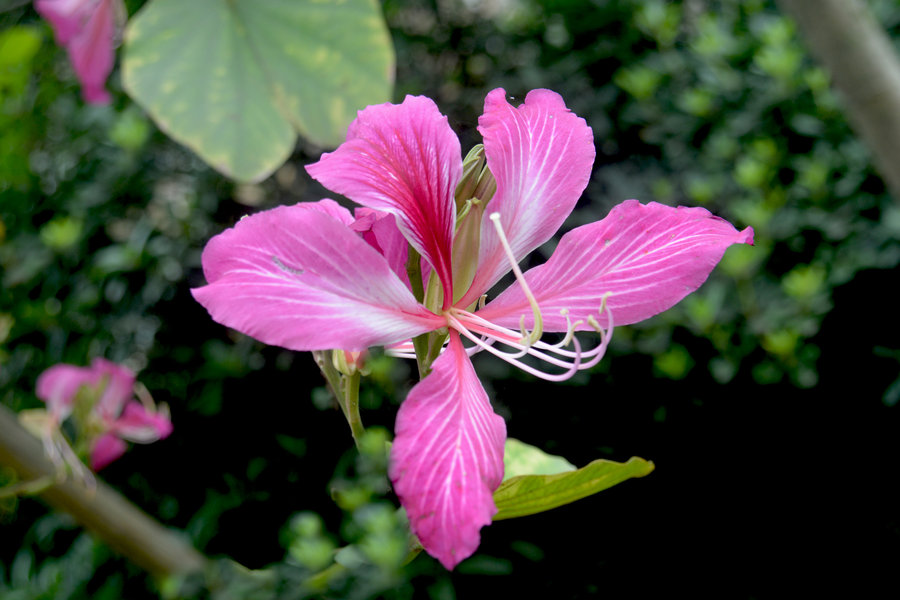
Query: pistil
x=536, y=333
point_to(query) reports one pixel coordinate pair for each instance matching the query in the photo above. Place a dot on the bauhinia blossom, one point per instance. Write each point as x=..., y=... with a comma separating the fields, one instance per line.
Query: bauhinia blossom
x=100, y=398
x=313, y=277
x=87, y=29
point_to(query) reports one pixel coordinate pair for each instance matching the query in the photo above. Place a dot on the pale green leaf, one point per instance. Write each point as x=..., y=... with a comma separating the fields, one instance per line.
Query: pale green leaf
x=520, y=458
x=530, y=494
x=237, y=80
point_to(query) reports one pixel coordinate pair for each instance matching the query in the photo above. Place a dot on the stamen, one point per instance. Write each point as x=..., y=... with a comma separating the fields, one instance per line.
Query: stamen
x=540, y=350
x=570, y=329
x=536, y=333
x=573, y=367
x=484, y=334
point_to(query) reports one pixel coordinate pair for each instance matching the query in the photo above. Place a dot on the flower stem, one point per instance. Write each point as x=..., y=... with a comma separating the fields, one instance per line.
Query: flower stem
x=414, y=272
x=27, y=488
x=345, y=389
x=350, y=406
x=420, y=342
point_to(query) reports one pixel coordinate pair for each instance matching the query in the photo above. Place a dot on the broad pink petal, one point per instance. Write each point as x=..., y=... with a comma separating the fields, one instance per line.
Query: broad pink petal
x=137, y=424
x=118, y=389
x=105, y=450
x=447, y=457
x=647, y=257
x=295, y=277
x=541, y=155
x=59, y=384
x=405, y=160
x=333, y=209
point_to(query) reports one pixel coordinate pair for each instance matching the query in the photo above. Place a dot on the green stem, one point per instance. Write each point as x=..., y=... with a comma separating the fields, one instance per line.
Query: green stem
x=350, y=404
x=345, y=389
x=27, y=488
x=420, y=342
x=414, y=271
x=320, y=581
x=331, y=375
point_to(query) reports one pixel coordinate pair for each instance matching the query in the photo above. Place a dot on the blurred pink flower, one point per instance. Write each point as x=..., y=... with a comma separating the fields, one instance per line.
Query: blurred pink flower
x=87, y=29
x=310, y=277
x=100, y=398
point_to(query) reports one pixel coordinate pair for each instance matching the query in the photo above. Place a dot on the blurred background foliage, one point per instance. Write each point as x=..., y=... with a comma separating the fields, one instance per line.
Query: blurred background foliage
x=750, y=395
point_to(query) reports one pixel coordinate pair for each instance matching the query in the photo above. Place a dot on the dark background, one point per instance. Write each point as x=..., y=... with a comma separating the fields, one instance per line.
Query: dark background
x=766, y=400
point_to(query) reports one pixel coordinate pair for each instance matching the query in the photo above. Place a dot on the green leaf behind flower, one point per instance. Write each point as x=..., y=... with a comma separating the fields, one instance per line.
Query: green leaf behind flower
x=556, y=481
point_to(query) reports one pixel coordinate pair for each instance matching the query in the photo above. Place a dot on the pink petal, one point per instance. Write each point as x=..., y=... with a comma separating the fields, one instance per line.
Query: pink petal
x=648, y=257
x=380, y=231
x=541, y=155
x=295, y=277
x=106, y=449
x=447, y=457
x=58, y=386
x=119, y=387
x=87, y=29
x=332, y=209
x=405, y=160
x=137, y=424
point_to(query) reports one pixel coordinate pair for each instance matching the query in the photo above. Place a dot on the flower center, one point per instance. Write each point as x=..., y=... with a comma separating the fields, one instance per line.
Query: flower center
x=485, y=334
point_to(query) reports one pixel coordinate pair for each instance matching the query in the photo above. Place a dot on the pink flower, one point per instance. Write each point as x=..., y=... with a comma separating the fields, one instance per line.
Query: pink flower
x=87, y=30
x=310, y=277
x=99, y=397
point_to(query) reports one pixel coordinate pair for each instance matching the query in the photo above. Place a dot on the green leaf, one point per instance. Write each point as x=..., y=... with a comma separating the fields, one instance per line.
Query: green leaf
x=18, y=45
x=531, y=494
x=520, y=458
x=236, y=80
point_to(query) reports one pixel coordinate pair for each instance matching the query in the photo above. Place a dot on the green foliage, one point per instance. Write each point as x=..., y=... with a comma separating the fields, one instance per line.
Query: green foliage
x=735, y=117
x=75, y=574
x=235, y=81
x=530, y=494
x=102, y=221
x=534, y=481
x=520, y=458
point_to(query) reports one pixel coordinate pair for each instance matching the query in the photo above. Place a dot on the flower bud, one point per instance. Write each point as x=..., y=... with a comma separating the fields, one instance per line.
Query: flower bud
x=475, y=190
x=349, y=363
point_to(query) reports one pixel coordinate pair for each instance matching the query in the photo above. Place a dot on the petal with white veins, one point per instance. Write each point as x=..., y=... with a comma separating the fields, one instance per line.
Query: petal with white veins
x=405, y=160
x=447, y=457
x=296, y=277
x=647, y=257
x=541, y=155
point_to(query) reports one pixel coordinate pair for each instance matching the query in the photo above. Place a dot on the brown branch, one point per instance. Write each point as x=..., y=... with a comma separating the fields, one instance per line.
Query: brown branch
x=102, y=510
x=864, y=67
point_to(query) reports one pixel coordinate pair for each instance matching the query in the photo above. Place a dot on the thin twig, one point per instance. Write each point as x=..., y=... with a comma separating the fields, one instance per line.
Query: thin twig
x=100, y=509
x=864, y=68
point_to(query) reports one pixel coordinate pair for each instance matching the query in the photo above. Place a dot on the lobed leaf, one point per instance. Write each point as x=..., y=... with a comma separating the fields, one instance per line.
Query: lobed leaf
x=236, y=80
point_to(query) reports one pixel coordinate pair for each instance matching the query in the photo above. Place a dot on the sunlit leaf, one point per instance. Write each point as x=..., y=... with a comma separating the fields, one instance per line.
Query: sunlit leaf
x=236, y=80
x=520, y=458
x=531, y=494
